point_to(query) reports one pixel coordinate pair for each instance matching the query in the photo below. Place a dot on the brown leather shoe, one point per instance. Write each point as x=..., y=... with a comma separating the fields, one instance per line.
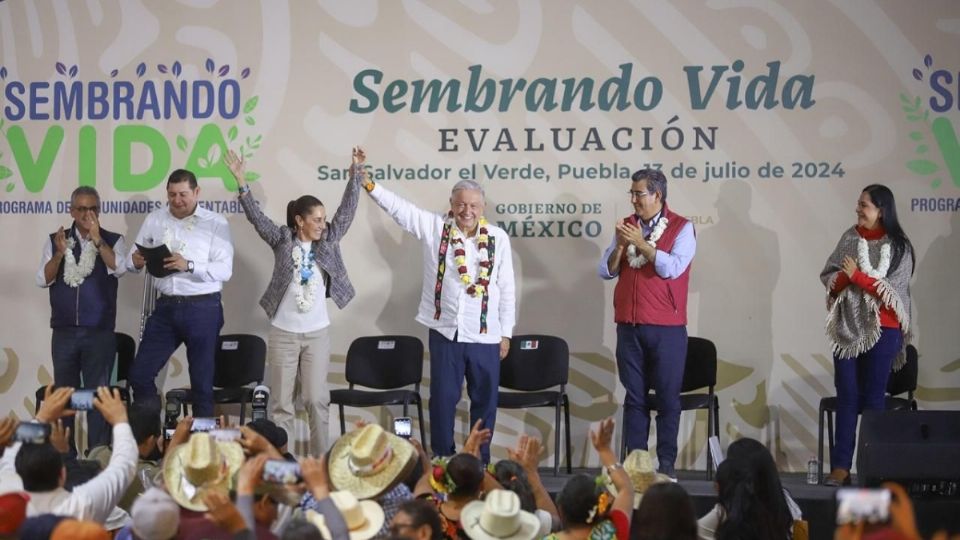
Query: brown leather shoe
x=837, y=478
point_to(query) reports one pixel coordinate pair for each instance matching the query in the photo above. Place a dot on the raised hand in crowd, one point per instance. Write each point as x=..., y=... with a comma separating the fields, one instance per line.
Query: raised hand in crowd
x=8, y=427
x=110, y=405
x=181, y=434
x=254, y=443
x=527, y=453
x=601, y=440
x=60, y=436
x=477, y=438
x=54, y=404
x=60, y=241
x=250, y=474
x=223, y=513
x=314, y=473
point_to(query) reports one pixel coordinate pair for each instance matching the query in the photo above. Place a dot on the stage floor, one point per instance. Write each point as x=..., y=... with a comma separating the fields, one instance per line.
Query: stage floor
x=816, y=502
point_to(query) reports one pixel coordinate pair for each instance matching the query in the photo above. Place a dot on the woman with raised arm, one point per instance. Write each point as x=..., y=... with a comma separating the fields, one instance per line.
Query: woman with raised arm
x=307, y=268
x=868, y=284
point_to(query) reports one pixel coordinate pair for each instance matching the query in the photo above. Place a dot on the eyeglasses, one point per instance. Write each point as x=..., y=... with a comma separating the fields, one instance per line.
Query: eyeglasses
x=83, y=209
x=638, y=194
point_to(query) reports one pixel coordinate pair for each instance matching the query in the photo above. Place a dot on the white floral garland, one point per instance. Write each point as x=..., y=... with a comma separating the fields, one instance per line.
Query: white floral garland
x=305, y=295
x=637, y=259
x=181, y=246
x=75, y=272
x=863, y=259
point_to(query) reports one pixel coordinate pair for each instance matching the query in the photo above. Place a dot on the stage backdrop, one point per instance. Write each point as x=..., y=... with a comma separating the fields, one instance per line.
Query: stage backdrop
x=767, y=117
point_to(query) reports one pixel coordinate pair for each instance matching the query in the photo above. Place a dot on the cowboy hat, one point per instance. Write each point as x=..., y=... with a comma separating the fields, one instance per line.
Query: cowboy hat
x=368, y=462
x=639, y=467
x=499, y=517
x=199, y=465
x=364, y=519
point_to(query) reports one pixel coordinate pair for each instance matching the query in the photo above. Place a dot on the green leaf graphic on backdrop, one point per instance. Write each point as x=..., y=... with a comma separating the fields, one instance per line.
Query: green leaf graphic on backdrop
x=182, y=143
x=923, y=166
x=250, y=105
x=5, y=172
x=232, y=133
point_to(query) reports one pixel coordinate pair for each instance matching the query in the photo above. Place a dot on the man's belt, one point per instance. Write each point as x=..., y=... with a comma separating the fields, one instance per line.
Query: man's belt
x=176, y=299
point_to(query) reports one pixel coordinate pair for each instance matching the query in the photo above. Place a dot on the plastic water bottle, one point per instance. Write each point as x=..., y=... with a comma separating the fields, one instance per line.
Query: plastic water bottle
x=813, y=471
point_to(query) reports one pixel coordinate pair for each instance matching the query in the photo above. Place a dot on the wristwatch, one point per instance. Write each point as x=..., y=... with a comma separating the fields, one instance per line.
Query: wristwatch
x=190, y=266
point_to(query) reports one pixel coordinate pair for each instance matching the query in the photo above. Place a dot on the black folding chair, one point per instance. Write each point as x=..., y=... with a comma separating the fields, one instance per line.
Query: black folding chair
x=900, y=382
x=534, y=364
x=238, y=367
x=699, y=372
x=387, y=364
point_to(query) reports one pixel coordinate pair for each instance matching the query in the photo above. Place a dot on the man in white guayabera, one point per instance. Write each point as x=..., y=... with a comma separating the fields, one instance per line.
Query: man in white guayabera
x=468, y=303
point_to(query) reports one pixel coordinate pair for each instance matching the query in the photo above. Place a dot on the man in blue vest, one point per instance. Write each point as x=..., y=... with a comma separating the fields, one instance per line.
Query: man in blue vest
x=79, y=269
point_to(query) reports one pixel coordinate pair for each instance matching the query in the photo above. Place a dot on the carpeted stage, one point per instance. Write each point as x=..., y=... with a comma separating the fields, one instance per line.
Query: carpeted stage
x=817, y=502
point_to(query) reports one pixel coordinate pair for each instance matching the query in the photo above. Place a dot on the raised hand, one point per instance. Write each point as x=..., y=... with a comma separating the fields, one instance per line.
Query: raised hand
x=314, y=473
x=477, y=438
x=8, y=427
x=248, y=478
x=222, y=512
x=54, y=404
x=60, y=241
x=60, y=436
x=92, y=223
x=602, y=437
x=110, y=405
x=527, y=453
x=236, y=165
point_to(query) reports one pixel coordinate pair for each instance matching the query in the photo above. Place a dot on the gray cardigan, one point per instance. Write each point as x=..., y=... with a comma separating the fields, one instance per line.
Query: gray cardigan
x=326, y=250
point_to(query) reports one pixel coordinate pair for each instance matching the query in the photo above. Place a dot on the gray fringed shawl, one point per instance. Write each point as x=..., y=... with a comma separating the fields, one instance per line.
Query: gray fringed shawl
x=853, y=319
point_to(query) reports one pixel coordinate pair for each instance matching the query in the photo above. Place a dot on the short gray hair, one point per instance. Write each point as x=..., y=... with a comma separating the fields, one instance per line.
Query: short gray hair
x=656, y=181
x=85, y=190
x=470, y=185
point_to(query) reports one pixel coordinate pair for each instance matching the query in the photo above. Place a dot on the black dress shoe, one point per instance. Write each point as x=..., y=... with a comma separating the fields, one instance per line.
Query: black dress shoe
x=837, y=478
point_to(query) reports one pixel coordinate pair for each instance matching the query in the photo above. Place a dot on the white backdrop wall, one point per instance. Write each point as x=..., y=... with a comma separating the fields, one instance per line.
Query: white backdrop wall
x=769, y=118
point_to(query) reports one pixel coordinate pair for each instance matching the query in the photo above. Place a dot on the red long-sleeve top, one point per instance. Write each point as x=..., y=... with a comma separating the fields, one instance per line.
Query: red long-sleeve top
x=888, y=318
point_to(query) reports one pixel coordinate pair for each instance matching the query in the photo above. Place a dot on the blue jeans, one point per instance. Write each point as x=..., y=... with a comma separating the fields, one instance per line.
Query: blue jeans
x=83, y=358
x=450, y=361
x=651, y=357
x=861, y=386
x=197, y=324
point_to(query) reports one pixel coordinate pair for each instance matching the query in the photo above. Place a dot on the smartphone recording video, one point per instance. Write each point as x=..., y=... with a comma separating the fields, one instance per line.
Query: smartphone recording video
x=81, y=400
x=225, y=435
x=401, y=427
x=205, y=424
x=278, y=471
x=856, y=505
x=32, y=433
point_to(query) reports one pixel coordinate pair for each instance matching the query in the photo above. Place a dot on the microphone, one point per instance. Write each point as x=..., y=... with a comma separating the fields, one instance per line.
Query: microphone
x=261, y=396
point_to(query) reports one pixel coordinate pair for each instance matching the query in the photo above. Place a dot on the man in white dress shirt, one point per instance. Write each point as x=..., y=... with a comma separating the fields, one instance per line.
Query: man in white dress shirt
x=468, y=303
x=188, y=310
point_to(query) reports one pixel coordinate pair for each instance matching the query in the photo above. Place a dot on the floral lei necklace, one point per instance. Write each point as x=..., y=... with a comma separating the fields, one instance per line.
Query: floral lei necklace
x=863, y=259
x=181, y=246
x=304, y=266
x=475, y=289
x=637, y=259
x=74, y=272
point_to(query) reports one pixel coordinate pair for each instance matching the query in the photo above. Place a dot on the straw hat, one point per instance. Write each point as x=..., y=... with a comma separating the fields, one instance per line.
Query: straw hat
x=199, y=465
x=364, y=518
x=368, y=462
x=499, y=516
x=639, y=467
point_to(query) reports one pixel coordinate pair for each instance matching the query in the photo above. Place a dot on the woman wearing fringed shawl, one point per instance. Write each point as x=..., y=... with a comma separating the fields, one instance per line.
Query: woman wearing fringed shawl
x=868, y=280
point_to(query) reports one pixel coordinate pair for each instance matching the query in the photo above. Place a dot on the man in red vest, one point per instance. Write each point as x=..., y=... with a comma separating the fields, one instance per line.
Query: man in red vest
x=651, y=254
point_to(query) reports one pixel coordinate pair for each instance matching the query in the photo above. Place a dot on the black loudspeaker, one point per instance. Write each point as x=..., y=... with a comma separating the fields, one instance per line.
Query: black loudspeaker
x=918, y=449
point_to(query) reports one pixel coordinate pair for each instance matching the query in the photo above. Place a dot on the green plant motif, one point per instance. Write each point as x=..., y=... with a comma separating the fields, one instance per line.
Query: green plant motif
x=943, y=136
x=5, y=172
x=247, y=149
